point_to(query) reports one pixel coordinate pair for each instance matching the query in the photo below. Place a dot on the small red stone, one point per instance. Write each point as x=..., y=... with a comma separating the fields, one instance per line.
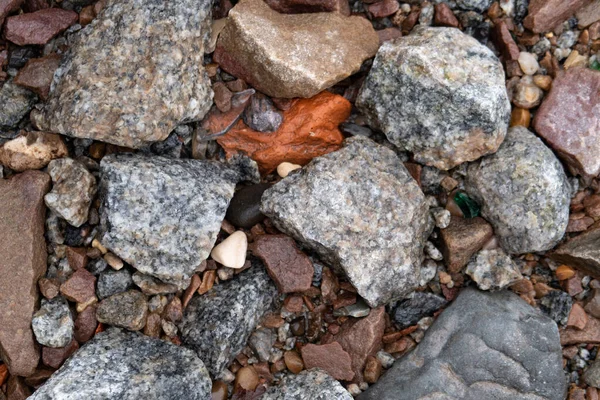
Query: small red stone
x=38, y=27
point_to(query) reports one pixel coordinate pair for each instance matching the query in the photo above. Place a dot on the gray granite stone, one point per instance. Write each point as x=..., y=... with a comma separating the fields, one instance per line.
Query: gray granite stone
x=217, y=325
x=422, y=304
x=113, y=282
x=313, y=384
x=133, y=74
x=361, y=211
x=126, y=310
x=16, y=103
x=485, y=345
x=474, y=5
x=493, y=269
x=523, y=192
x=121, y=365
x=557, y=305
x=53, y=323
x=439, y=94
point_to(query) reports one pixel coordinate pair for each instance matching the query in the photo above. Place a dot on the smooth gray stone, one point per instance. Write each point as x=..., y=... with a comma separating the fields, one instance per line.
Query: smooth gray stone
x=313, y=384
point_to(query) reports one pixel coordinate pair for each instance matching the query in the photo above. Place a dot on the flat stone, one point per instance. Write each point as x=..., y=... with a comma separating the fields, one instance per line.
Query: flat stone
x=53, y=323
x=16, y=103
x=38, y=73
x=147, y=79
x=38, y=27
x=493, y=269
x=217, y=328
x=379, y=249
x=126, y=365
x=568, y=118
x=589, y=335
x=32, y=150
x=589, y=14
x=113, y=282
x=80, y=287
x=309, y=6
x=439, y=94
x=77, y=257
x=577, y=317
x=54, y=358
x=289, y=56
x=483, y=346
x=544, y=15
x=463, y=238
x=523, y=192
x=581, y=252
x=244, y=208
x=126, y=310
x=422, y=304
x=85, y=324
x=23, y=255
x=314, y=384
x=329, y=357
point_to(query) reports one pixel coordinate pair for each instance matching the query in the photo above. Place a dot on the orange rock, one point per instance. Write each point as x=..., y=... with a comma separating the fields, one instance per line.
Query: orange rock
x=577, y=317
x=3, y=374
x=309, y=129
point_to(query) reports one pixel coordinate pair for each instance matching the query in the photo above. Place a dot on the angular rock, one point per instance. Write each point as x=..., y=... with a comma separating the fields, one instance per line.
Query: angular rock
x=483, y=346
x=125, y=365
x=581, y=252
x=589, y=335
x=16, y=103
x=382, y=8
x=55, y=357
x=291, y=56
x=217, y=328
x=463, y=238
x=80, y=287
x=329, y=357
x=244, y=208
x=343, y=206
x=162, y=215
x=126, y=310
x=7, y=7
x=261, y=114
x=38, y=27
x=37, y=74
x=147, y=79
x=32, y=150
x=438, y=93
x=152, y=286
x=261, y=342
x=309, y=6
x=557, y=305
x=444, y=16
x=505, y=42
x=53, y=323
x=113, y=282
x=85, y=324
x=568, y=121
x=422, y=304
x=314, y=384
x=23, y=255
x=544, y=15
x=474, y=5
x=493, y=269
x=523, y=192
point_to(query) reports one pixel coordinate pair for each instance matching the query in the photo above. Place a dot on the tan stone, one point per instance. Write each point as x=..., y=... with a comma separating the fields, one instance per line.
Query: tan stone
x=577, y=317
x=461, y=239
x=293, y=361
x=520, y=117
x=32, y=150
x=309, y=6
x=329, y=357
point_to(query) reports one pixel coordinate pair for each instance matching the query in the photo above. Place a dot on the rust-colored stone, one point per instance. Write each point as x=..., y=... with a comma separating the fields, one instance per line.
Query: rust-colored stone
x=577, y=317
x=329, y=357
x=38, y=73
x=191, y=289
x=208, y=280
x=49, y=288
x=373, y=370
x=85, y=324
x=293, y=361
x=3, y=374
x=38, y=27
x=77, y=257
x=461, y=239
x=86, y=15
x=80, y=287
x=388, y=34
x=174, y=310
x=7, y=7
x=293, y=303
x=520, y=117
x=544, y=15
x=444, y=16
x=504, y=41
x=309, y=6
x=153, y=325
x=589, y=334
x=383, y=8
x=410, y=21
x=329, y=286
x=56, y=357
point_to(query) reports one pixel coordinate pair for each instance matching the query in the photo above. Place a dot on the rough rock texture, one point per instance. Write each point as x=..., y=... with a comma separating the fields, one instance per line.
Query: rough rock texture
x=557, y=305
x=581, y=252
x=438, y=93
x=53, y=323
x=544, y=15
x=345, y=206
x=523, y=192
x=128, y=366
x=32, y=150
x=473, y=5
x=290, y=56
x=80, y=287
x=569, y=117
x=162, y=215
x=314, y=384
x=493, y=269
x=37, y=74
x=7, y=7
x=309, y=6
x=113, y=282
x=126, y=310
x=16, y=103
x=38, y=27
x=23, y=255
x=463, y=238
x=329, y=357
x=261, y=114
x=422, y=304
x=217, y=324
x=483, y=346
x=147, y=79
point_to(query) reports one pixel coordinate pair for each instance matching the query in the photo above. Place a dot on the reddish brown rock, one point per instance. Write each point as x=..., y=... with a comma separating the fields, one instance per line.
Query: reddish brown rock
x=37, y=74
x=463, y=238
x=590, y=334
x=38, y=378
x=373, y=370
x=329, y=286
x=592, y=306
x=56, y=357
x=383, y=8
x=330, y=358
x=222, y=96
x=293, y=361
x=388, y=34
x=16, y=389
x=577, y=317
x=293, y=303
x=38, y=27
x=35, y=5
x=80, y=287
x=49, y=288
x=290, y=269
x=22, y=264
x=77, y=257
x=85, y=324
x=309, y=6
x=444, y=16
x=581, y=252
x=505, y=42
x=174, y=310
x=544, y=15
x=153, y=325
x=7, y=7
x=191, y=289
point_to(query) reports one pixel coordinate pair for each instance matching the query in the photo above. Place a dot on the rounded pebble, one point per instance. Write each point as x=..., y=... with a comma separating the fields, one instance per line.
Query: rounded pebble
x=231, y=252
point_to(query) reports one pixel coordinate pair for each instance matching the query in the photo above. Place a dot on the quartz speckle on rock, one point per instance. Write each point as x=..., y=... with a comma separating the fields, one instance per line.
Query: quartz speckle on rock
x=16, y=103
x=557, y=305
x=314, y=384
x=493, y=269
x=422, y=304
x=438, y=93
x=523, y=191
x=126, y=310
x=53, y=323
x=346, y=206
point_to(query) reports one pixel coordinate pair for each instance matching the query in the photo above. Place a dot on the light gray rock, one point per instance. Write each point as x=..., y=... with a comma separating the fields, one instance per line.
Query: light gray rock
x=147, y=74
x=485, y=345
x=121, y=365
x=493, y=269
x=313, y=384
x=217, y=325
x=261, y=341
x=438, y=93
x=126, y=310
x=53, y=323
x=16, y=103
x=474, y=5
x=523, y=192
x=113, y=282
x=361, y=211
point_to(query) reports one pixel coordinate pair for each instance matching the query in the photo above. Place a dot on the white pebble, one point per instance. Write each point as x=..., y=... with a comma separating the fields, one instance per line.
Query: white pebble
x=285, y=168
x=231, y=252
x=433, y=252
x=442, y=217
x=528, y=63
x=354, y=389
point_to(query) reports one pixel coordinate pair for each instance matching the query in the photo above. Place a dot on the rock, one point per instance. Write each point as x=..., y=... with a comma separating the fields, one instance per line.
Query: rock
x=329, y=357
x=246, y=379
x=381, y=259
x=293, y=361
x=286, y=168
x=112, y=282
x=231, y=252
x=126, y=310
x=566, y=120
x=53, y=323
x=217, y=328
x=544, y=15
x=422, y=304
x=526, y=94
x=523, y=192
x=80, y=287
x=7, y=7
x=222, y=97
x=314, y=384
x=16, y=389
x=357, y=310
x=244, y=208
x=528, y=63
x=38, y=73
x=85, y=324
x=23, y=255
x=505, y=42
x=589, y=335
x=165, y=230
x=439, y=94
x=557, y=305
x=155, y=45
x=77, y=257
x=16, y=103
x=515, y=348
x=383, y=8
x=32, y=150
x=126, y=365
x=38, y=27
x=73, y=189
x=261, y=114
x=588, y=15
x=474, y=5
x=56, y=357
x=261, y=341
x=309, y=6
x=463, y=238
x=591, y=376
x=151, y=286
x=577, y=317
x=309, y=129
x=290, y=56
x=493, y=269
x=444, y=16
x=581, y=252
x=290, y=269
x=49, y=288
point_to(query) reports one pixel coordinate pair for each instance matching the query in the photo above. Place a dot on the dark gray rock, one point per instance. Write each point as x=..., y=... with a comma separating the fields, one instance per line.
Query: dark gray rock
x=126, y=310
x=483, y=346
x=313, y=384
x=217, y=325
x=422, y=304
x=439, y=94
x=53, y=323
x=244, y=209
x=523, y=192
x=113, y=282
x=493, y=269
x=16, y=102
x=261, y=114
x=121, y=365
x=346, y=206
x=557, y=305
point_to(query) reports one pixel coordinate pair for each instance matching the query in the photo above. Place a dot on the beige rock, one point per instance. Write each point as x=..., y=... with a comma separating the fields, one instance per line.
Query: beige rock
x=528, y=63
x=285, y=168
x=32, y=150
x=231, y=252
x=575, y=60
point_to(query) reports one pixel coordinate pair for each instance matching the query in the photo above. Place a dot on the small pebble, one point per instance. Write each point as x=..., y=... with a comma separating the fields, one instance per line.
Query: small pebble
x=246, y=378
x=115, y=262
x=528, y=63
x=231, y=252
x=293, y=361
x=285, y=168
x=442, y=217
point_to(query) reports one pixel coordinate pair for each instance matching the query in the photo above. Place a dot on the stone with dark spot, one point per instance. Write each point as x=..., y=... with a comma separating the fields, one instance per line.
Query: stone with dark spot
x=37, y=74
x=244, y=208
x=422, y=304
x=38, y=27
x=113, y=282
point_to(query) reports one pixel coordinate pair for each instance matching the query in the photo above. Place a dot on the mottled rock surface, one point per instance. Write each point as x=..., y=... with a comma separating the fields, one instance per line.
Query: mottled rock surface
x=38, y=27
x=422, y=304
x=483, y=346
x=314, y=384
x=123, y=365
x=557, y=305
x=581, y=252
x=38, y=73
x=345, y=206
x=53, y=323
x=16, y=103
x=290, y=56
x=493, y=269
x=544, y=15
x=473, y=5
x=32, y=150
x=438, y=93
x=113, y=282
x=126, y=310
x=147, y=79
x=523, y=192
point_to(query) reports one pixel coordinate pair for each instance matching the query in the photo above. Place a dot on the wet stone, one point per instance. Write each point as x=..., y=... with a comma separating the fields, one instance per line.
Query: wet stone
x=126, y=310
x=314, y=384
x=493, y=269
x=422, y=304
x=244, y=208
x=557, y=305
x=16, y=103
x=53, y=323
x=112, y=282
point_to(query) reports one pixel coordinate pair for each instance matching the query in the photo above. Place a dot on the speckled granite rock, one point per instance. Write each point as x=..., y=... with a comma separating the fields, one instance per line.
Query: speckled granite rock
x=523, y=192
x=162, y=215
x=217, y=324
x=113, y=282
x=493, y=269
x=16, y=103
x=438, y=93
x=123, y=365
x=473, y=5
x=483, y=346
x=53, y=323
x=314, y=384
x=133, y=74
x=344, y=205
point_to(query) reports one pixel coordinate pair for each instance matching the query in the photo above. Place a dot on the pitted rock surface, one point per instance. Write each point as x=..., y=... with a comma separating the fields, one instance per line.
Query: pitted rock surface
x=314, y=384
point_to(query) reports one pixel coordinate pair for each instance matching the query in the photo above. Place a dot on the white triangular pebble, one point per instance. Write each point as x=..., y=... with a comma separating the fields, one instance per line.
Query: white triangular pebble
x=231, y=252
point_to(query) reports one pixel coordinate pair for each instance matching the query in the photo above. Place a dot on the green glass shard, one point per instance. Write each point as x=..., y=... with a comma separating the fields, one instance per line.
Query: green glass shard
x=467, y=205
x=596, y=65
